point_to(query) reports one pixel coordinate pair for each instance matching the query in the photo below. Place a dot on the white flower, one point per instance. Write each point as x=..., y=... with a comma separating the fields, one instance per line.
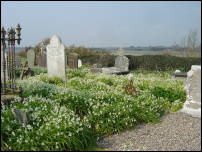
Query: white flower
x=13, y=133
x=29, y=127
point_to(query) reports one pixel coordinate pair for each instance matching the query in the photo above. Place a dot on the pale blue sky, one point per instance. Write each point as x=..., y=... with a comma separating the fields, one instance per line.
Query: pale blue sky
x=103, y=23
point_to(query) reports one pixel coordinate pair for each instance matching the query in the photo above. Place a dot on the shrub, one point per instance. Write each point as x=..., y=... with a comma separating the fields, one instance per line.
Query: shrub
x=76, y=73
x=39, y=70
x=169, y=93
x=147, y=62
x=37, y=88
x=53, y=127
x=51, y=80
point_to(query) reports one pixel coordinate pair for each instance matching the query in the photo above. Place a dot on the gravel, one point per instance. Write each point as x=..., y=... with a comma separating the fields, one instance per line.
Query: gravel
x=176, y=132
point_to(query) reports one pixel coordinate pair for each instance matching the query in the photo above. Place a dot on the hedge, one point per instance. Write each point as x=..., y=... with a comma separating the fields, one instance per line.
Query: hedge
x=147, y=62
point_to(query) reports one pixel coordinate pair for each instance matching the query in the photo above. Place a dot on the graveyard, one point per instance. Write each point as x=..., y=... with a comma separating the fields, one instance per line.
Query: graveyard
x=119, y=80
x=71, y=108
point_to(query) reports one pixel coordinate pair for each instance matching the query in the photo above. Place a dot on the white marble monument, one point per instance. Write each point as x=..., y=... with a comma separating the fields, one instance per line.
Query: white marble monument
x=192, y=105
x=56, y=58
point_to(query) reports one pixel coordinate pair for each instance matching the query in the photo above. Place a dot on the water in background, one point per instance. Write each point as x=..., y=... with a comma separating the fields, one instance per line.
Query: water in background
x=138, y=52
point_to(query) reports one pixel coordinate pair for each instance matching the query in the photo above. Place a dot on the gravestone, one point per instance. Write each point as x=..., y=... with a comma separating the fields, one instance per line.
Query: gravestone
x=20, y=116
x=42, y=59
x=192, y=105
x=122, y=63
x=30, y=57
x=56, y=58
x=79, y=63
x=73, y=60
x=121, y=66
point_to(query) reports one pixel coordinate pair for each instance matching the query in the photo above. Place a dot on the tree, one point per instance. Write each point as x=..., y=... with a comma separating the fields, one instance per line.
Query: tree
x=192, y=40
x=190, y=43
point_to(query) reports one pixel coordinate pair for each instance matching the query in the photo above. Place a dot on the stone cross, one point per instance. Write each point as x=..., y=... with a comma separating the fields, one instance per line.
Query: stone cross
x=30, y=57
x=56, y=58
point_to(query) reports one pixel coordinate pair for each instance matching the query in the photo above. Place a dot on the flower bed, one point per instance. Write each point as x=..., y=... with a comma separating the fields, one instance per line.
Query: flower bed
x=71, y=115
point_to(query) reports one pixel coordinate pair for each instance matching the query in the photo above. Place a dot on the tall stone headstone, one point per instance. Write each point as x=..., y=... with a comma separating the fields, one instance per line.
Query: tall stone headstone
x=79, y=63
x=192, y=105
x=42, y=59
x=73, y=60
x=56, y=58
x=122, y=63
x=30, y=57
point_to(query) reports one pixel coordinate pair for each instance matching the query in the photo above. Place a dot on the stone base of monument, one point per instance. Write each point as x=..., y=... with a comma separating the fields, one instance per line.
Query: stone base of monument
x=192, y=108
x=192, y=105
x=114, y=70
x=110, y=70
x=180, y=74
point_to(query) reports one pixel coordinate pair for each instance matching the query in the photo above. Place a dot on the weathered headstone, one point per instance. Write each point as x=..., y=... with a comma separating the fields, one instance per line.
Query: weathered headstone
x=73, y=60
x=42, y=59
x=56, y=58
x=20, y=116
x=122, y=63
x=192, y=105
x=30, y=57
x=79, y=63
x=17, y=61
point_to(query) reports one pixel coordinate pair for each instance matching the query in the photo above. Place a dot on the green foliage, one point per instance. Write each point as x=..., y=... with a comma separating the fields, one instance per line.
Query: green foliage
x=38, y=70
x=17, y=73
x=51, y=80
x=37, y=88
x=53, y=127
x=70, y=116
x=170, y=93
x=75, y=73
x=162, y=62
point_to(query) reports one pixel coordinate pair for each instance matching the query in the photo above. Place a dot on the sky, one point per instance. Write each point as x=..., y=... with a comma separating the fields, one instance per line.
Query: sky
x=103, y=23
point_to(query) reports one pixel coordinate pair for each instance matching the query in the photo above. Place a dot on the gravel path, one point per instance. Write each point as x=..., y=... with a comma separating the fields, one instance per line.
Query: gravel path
x=176, y=132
